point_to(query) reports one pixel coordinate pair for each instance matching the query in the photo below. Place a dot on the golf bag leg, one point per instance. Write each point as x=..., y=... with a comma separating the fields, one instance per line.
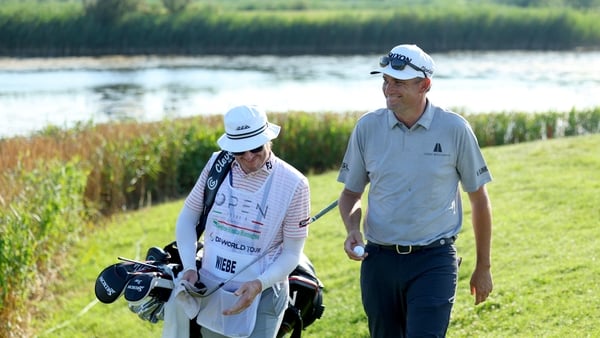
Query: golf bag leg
x=195, y=329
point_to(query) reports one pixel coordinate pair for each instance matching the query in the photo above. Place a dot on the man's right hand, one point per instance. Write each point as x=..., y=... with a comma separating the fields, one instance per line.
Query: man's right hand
x=190, y=275
x=354, y=239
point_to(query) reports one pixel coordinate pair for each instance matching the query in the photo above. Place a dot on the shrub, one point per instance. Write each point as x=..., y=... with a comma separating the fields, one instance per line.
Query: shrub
x=44, y=217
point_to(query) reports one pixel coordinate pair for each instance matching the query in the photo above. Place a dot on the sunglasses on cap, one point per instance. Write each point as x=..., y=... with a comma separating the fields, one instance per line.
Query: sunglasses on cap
x=398, y=64
x=254, y=151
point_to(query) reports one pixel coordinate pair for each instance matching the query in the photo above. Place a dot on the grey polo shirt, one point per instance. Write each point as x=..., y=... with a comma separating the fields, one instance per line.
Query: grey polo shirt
x=413, y=174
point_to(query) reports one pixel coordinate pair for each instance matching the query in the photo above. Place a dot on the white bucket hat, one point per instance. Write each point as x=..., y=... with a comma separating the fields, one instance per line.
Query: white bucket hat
x=405, y=62
x=246, y=128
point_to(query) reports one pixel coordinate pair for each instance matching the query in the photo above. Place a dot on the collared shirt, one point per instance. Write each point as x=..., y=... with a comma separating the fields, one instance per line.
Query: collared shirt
x=413, y=174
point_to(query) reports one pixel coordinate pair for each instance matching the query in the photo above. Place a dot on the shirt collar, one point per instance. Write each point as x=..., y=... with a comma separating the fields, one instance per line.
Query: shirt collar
x=266, y=168
x=424, y=120
x=427, y=117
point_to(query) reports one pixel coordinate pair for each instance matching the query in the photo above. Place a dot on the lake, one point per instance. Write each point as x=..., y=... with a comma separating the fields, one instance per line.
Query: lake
x=37, y=92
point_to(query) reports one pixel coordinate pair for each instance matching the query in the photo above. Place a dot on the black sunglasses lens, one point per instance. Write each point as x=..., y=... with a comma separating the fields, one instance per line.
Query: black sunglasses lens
x=254, y=151
x=257, y=149
x=384, y=61
x=398, y=64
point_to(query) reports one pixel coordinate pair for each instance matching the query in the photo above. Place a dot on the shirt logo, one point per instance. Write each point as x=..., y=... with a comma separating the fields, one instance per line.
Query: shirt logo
x=482, y=170
x=437, y=151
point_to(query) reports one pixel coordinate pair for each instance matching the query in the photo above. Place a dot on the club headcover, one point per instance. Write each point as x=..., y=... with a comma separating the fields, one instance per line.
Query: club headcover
x=148, y=284
x=157, y=255
x=111, y=282
x=139, y=287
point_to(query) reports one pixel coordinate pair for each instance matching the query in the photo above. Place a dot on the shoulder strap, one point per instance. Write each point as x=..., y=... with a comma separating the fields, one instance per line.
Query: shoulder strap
x=216, y=175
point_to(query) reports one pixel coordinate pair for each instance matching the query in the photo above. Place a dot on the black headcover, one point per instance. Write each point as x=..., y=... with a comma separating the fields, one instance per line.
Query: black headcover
x=157, y=255
x=111, y=282
x=139, y=287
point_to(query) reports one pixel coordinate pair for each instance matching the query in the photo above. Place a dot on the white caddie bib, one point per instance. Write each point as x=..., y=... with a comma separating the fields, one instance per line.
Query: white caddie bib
x=240, y=227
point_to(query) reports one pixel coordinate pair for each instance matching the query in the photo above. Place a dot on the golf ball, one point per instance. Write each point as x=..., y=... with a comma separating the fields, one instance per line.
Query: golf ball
x=359, y=250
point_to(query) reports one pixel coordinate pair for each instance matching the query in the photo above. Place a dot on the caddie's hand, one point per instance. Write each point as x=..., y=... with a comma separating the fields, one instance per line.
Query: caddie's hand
x=191, y=276
x=481, y=284
x=247, y=292
x=353, y=240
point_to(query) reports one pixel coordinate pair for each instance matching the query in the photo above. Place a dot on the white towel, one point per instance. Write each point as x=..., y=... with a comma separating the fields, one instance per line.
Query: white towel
x=179, y=309
x=189, y=303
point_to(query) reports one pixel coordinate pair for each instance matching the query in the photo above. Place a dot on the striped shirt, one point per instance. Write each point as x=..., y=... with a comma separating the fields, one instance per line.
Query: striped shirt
x=299, y=209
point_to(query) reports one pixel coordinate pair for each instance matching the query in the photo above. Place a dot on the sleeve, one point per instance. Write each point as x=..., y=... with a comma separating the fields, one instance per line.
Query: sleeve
x=471, y=165
x=353, y=171
x=185, y=234
x=284, y=264
x=298, y=212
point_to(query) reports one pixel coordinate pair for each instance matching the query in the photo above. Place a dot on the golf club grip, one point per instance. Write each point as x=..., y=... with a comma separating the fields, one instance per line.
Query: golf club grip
x=324, y=211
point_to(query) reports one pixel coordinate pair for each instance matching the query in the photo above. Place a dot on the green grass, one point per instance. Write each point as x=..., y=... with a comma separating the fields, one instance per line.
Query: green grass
x=546, y=201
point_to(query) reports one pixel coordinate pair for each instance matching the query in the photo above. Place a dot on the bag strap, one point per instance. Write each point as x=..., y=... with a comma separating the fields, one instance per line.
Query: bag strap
x=216, y=176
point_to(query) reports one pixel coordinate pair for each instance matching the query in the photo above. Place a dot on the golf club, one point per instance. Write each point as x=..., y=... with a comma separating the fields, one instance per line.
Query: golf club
x=320, y=213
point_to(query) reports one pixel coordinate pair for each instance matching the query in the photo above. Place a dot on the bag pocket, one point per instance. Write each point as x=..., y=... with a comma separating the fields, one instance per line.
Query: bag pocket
x=239, y=325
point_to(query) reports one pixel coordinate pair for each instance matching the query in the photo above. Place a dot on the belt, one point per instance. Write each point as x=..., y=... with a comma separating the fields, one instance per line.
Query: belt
x=405, y=250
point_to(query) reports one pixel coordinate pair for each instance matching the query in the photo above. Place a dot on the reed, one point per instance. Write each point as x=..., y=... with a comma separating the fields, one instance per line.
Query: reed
x=65, y=29
x=137, y=164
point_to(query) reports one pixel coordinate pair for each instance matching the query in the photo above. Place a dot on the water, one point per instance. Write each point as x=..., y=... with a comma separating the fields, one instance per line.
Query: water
x=63, y=91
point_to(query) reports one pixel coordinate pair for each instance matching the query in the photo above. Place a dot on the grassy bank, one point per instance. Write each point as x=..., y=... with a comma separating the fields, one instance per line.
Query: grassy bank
x=66, y=28
x=545, y=200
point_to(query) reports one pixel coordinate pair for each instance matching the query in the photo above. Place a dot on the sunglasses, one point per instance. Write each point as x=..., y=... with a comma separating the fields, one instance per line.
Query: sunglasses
x=254, y=151
x=398, y=64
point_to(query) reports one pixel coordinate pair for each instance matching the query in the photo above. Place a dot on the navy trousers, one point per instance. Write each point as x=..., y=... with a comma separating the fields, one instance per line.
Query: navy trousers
x=409, y=295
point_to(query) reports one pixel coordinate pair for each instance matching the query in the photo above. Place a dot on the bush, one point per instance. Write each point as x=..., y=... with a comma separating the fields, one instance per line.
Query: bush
x=46, y=216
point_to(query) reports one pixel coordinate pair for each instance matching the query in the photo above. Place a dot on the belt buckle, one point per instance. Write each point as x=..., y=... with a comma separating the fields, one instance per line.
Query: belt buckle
x=403, y=252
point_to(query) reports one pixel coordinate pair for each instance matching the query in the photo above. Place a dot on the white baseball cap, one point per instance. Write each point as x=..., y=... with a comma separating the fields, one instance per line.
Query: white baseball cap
x=246, y=128
x=406, y=62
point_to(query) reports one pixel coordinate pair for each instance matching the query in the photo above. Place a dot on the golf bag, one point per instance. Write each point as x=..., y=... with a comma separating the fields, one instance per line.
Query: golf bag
x=147, y=286
x=306, y=300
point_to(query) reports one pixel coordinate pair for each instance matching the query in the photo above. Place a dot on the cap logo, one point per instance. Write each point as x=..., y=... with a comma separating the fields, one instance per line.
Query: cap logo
x=243, y=127
x=248, y=134
x=400, y=56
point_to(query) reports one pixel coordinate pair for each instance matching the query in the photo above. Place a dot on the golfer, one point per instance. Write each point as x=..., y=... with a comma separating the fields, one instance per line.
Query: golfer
x=413, y=155
x=254, y=236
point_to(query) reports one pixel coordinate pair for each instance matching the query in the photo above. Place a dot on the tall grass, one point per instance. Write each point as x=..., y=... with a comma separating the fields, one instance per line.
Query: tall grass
x=65, y=29
x=42, y=220
x=137, y=164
